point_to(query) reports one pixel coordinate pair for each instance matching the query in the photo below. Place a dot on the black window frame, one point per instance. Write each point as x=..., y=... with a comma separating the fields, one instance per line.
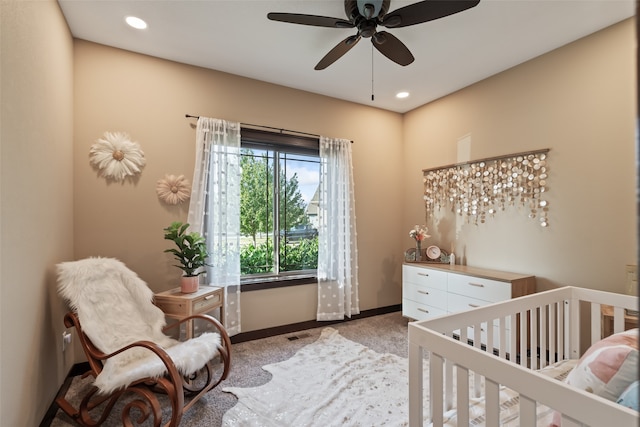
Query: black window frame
x=292, y=143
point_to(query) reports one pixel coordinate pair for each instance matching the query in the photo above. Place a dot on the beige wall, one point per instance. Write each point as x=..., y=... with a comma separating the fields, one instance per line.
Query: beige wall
x=579, y=102
x=148, y=97
x=36, y=212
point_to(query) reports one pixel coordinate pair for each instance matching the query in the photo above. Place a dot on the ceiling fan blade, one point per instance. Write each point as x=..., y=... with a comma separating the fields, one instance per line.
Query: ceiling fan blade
x=336, y=53
x=317, y=21
x=424, y=11
x=389, y=45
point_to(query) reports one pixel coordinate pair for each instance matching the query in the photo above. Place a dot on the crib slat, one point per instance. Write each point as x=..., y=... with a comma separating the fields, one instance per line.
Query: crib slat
x=618, y=319
x=416, y=386
x=448, y=384
x=477, y=342
x=552, y=333
x=492, y=402
x=523, y=338
x=533, y=341
x=462, y=391
x=513, y=343
x=490, y=336
x=543, y=336
x=573, y=351
x=596, y=326
x=435, y=390
x=504, y=349
x=527, y=412
x=562, y=348
x=477, y=335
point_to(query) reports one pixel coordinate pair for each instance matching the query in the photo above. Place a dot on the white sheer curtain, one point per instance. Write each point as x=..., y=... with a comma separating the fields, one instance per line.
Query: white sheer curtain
x=337, y=249
x=214, y=209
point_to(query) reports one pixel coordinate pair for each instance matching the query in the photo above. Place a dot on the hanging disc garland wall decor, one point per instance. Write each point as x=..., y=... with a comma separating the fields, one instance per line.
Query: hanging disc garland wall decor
x=116, y=156
x=479, y=189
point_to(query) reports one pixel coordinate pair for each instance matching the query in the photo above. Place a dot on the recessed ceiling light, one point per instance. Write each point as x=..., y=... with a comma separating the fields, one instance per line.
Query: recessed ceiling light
x=136, y=22
x=402, y=95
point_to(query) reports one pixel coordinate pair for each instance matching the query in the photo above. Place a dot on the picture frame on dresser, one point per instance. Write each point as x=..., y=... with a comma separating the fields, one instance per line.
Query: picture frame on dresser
x=410, y=255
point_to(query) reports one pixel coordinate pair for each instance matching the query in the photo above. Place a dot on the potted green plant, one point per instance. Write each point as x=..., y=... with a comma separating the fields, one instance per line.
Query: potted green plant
x=191, y=254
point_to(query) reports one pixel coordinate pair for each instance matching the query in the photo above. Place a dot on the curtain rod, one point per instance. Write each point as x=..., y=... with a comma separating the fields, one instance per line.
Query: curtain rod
x=281, y=130
x=488, y=159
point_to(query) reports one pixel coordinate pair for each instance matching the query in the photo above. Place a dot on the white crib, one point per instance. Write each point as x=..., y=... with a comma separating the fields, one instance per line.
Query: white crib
x=479, y=353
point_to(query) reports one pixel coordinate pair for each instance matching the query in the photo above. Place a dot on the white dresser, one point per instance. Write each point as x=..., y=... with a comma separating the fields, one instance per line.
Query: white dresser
x=434, y=289
x=430, y=290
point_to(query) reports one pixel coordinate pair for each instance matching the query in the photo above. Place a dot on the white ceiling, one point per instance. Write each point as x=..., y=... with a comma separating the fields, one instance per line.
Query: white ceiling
x=450, y=53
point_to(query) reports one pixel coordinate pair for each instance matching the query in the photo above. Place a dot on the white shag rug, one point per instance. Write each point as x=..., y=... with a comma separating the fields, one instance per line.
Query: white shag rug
x=331, y=382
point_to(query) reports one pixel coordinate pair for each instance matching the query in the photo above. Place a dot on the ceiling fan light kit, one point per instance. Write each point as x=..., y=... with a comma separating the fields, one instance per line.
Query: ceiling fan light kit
x=366, y=15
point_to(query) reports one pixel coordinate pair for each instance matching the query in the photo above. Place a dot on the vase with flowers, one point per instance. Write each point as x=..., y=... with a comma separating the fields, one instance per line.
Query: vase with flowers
x=419, y=233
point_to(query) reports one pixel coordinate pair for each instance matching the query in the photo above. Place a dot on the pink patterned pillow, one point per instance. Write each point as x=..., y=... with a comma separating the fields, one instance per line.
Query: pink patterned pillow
x=609, y=366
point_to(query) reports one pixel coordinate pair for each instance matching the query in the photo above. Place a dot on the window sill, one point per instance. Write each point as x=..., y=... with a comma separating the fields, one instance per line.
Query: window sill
x=260, y=283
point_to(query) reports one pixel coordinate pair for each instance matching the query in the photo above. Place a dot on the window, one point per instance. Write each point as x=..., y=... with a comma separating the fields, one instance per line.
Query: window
x=278, y=207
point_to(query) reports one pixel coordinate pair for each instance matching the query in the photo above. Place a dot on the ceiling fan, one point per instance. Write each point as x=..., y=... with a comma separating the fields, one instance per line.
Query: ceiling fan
x=366, y=15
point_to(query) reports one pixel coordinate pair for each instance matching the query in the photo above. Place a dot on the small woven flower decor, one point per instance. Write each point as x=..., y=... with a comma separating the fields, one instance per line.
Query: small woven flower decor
x=116, y=156
x=173, y=189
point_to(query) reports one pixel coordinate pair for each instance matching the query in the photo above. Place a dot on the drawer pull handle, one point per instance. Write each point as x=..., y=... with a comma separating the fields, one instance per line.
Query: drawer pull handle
x=478, y=285
x=208, y=297
x=474, y=305
x=423, y=274
x=423, y=292
x=423, y=310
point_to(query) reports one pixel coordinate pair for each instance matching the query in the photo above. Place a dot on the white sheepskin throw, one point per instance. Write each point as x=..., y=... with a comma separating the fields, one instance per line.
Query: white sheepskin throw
x=115, y=308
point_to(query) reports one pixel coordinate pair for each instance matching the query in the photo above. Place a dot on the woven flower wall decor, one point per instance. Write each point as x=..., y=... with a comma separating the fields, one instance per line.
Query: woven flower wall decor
x=116, y=156
x=173, y=189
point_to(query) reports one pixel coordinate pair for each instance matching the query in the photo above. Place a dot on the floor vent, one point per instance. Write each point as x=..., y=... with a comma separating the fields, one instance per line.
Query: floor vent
x=297, y=337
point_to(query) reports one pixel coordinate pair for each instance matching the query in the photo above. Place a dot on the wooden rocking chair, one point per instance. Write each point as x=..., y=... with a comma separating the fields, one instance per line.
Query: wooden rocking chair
x=136, y=367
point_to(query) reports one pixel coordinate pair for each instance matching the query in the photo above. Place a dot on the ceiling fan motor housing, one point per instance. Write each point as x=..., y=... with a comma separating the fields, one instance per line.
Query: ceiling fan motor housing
x=366, y=14
x=369, y=9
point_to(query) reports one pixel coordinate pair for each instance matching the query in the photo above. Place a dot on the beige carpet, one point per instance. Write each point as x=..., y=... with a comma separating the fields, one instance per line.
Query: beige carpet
x=384, y=334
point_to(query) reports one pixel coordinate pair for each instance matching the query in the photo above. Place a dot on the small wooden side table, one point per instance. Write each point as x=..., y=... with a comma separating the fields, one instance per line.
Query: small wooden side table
x=630, y=320
x=177, y=305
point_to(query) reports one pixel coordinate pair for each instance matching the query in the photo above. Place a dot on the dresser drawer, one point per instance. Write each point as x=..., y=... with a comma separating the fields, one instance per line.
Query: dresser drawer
x=424, y=295
x=476, y=287
x=417, y=311
x=457, y=302
x=434, y=279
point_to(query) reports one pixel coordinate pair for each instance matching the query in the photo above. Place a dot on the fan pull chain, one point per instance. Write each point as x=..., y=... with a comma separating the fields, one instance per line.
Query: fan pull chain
x=372, y=97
